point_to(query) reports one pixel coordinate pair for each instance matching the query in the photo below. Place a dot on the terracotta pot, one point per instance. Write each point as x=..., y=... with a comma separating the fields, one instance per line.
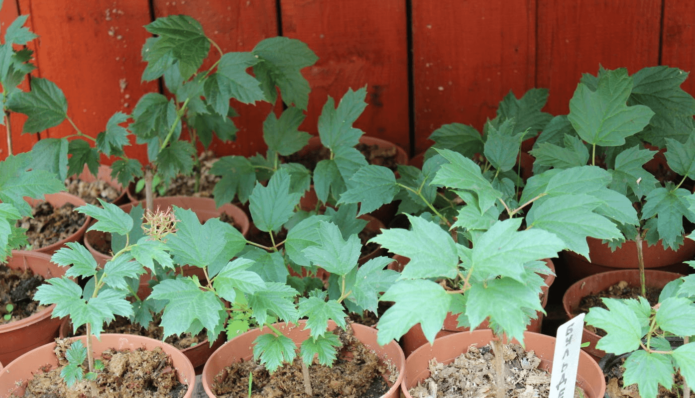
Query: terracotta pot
x=599, y=282
x=241, y=348
x=15, y=374
x=19, y=337
x=104, y=174
x=415, y=338
x=58, y=200
x=445, y=350
x=604, y=260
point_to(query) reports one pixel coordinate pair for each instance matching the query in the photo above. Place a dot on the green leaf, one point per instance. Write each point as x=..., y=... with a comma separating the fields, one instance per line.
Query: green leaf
x=372, y=187
x=181, y=41
x=80, y=154
x=8, y=216
x=187, y=306
x=335, y=125
x=648, y=371
x=71, y=373
x=333, y=253
x=237, y=327
x=116, y=271
x=676, y=315
x=125, y=171
x=99, y=310
x=670, y=206
x=572, y=219
x=408, y=310
x=232, y=81
x=432, y=252
x=573, y=154
x=62, y=292
x=458, y=137
x=210, y=246
x=16, y=182
x=525, y=112
x=602, y=117
x=177, y=158
x=370, y=281
x=346, y=219
x=349, y=160
x=112, y=141
x=300, y=177
x=276, y=298
x=283, y=135
x=622, y=326
x=147, y=251
x=51, y=154
x=305, y=234
x=318, y=312
x=82, y=261
x=238, y=179
x=272, y=206
x=502, y=149
x=327, y=180
x=150, y=115
x=110, y=218
x=273, y=351
x=17, y=34
x=685, y=359
x=463, y=173
x=681, y=156
x=237, y=276
x=45, y=105
x=207, y=123
x=283, y=59
x=270, y=266
x=142, y=312
x=324, y=347
x=629, y=172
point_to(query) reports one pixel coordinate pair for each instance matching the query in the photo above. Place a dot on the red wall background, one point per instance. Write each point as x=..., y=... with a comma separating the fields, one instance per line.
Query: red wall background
x=426, y=62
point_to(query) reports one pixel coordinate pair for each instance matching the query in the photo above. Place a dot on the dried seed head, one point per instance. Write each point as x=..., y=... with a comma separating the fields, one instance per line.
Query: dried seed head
x=158, y=224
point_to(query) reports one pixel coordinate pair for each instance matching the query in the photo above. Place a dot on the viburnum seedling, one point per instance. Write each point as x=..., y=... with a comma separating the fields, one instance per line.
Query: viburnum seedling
x=105, y=293
x=255, y=284
x=612, y=118
x=645, y=333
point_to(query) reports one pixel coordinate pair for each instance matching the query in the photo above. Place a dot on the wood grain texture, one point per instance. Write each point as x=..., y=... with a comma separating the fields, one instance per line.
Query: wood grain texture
x=91, y=50
x=467, y=56
x=234, y=26
x=574, y=37
x=20, y=142
x=678, y=38
x=358, y=42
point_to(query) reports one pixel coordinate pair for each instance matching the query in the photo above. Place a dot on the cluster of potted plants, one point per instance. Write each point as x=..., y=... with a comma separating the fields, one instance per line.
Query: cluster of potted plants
x=281, y=285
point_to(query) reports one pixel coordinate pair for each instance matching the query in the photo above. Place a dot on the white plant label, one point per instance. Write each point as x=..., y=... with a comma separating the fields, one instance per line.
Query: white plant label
x=566, y=359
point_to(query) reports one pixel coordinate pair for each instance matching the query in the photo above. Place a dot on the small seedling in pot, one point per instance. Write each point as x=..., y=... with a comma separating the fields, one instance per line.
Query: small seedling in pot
x=8, y=308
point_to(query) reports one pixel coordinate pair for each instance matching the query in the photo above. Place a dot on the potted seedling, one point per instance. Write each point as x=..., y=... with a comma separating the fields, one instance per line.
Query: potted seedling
x=75, y=364
x=26, y=325
x=652, y=352
x=497, y=278
x=607, y=126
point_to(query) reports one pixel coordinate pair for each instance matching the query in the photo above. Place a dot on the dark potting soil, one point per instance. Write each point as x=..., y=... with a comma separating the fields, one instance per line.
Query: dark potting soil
x=126, y=374
x=123, y=325
x=473, y=374
x=356, y=373
x=91, y=191
x=616, y=389
x=17, y=288
x=51, y=225
x=183, y=185
x=375, y=156
x=621, y=290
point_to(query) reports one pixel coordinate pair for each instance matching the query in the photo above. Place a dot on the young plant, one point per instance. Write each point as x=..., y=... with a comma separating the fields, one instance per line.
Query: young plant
x=8, y=309
x=645, y=333
x=256, y=282
x=612, y=118
x=104, y=295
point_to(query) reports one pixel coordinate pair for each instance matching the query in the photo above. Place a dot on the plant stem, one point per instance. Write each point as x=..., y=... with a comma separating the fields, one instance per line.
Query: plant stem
x=686, y=388
x=259, y=245
x=307, y=381
x=593, y=155
x=179, y=113
x=149, y=192
x=272, y=239
x=640, y=263
x=499, y=367
x=680, y=183
x=196, y=158
x=9, y=132
x=518, y=209
x=419, y=194
x=90, y=358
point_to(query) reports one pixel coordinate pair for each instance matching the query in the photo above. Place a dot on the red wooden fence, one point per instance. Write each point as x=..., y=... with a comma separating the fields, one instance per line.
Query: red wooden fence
x=426, y=62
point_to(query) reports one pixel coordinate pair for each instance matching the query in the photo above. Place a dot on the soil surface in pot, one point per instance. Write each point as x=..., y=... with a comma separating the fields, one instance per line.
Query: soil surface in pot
x=356, y=373
x=621, y=290
x=91, y=191
x=473, y=374
x=139, y=373
x=375, y=156
x=123, y=325
x=183, y=185
x=616, y=389
x=17, y=288
x=263, y=238
x=51, y=225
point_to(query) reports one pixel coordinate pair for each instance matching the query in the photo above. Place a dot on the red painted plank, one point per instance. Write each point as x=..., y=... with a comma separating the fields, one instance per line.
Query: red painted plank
x=358, y=42
x=234, y=26
x=467, y=56
x=678, y=40
x=91, y=50
x=20, y=142
x=574, y=37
